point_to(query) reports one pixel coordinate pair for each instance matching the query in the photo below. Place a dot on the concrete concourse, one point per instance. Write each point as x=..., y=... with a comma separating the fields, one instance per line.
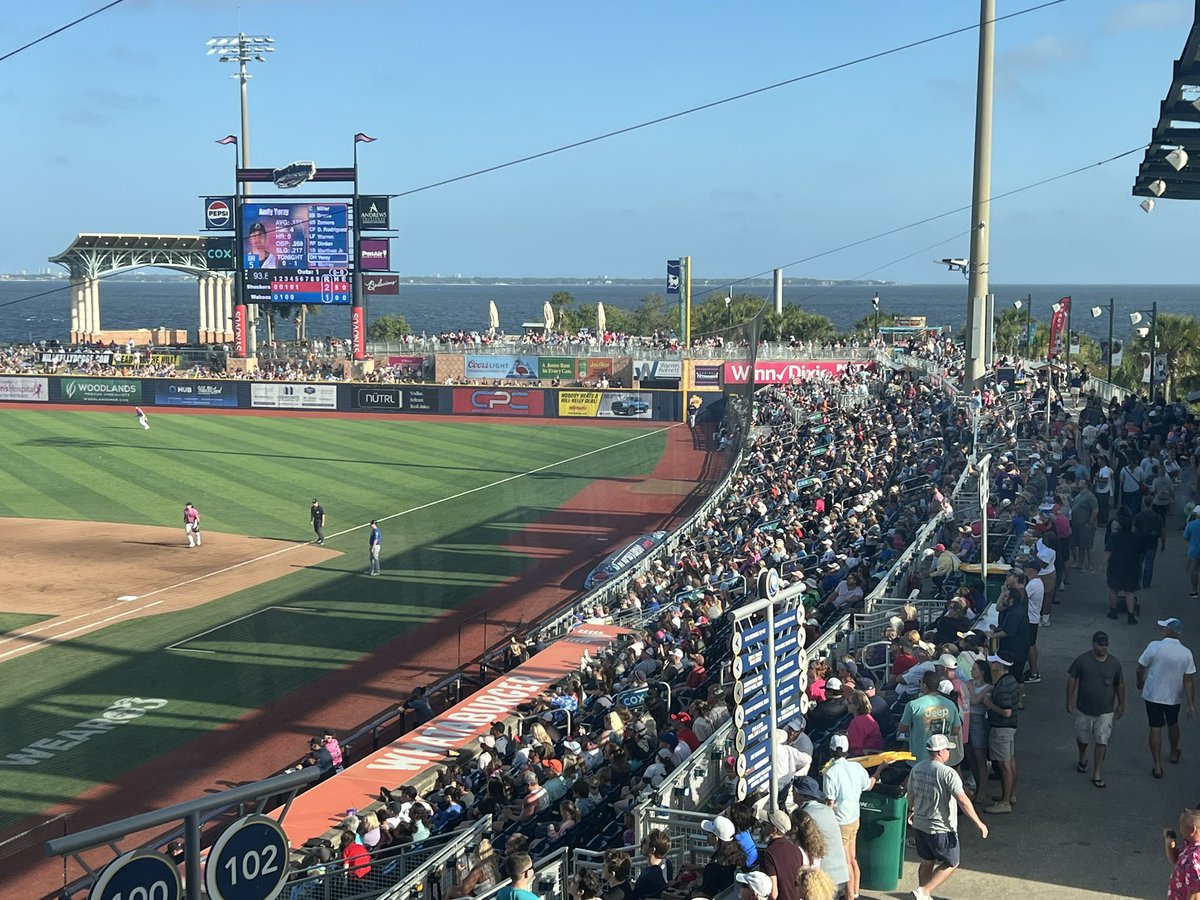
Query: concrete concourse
x=1067, y=839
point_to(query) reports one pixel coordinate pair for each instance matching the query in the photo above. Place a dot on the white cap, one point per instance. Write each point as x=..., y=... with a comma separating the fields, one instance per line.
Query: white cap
x=572, y=746
x=759, y=882
x=938, y=742
x=839, y=742
x=720, y=826
x=833, y=684
x=945, y=686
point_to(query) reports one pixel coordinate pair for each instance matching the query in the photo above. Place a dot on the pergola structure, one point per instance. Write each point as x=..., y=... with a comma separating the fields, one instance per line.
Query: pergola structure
x=1178, y=128
x=92, y=257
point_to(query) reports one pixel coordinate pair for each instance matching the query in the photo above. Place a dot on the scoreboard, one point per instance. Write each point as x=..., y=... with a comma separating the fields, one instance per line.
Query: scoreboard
x=296, y=253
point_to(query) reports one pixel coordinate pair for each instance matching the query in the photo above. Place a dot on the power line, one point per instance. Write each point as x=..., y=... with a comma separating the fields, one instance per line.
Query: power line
x=715, y=103
x=60, y=30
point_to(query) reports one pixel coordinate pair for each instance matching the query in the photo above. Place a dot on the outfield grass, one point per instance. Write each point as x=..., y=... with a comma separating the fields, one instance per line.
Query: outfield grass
x=465, y=487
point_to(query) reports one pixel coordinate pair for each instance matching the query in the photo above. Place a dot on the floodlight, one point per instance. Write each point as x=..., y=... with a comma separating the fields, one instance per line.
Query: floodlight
x=1017, y=304
x=1134, y=318
x=1147, y=205
x=1177, y=158
x=1157, y=187
x=1097, y=312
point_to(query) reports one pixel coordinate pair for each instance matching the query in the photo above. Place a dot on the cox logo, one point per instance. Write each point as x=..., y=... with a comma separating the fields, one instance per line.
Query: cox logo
x=220, y=253
x=492, y=399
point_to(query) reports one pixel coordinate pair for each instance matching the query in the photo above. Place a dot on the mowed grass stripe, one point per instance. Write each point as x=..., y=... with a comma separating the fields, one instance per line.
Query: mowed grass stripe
x=61, y=685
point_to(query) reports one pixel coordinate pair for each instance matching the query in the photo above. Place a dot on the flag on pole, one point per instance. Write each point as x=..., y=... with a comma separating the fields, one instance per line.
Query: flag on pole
x=228, y=139
x=1058, y=322
x=364, y=138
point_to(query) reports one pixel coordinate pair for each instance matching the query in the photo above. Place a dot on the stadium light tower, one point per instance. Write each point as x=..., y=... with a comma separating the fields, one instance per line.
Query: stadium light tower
x=242, y=49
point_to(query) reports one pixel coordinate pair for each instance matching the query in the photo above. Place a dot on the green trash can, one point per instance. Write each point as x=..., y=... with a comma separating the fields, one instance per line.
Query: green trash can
x=882, y=831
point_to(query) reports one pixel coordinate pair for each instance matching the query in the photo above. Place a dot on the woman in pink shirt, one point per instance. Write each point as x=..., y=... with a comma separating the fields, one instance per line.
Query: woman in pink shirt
x=863, y=734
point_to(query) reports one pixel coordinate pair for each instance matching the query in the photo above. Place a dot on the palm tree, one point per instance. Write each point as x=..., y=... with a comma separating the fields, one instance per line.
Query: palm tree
x=1178, y=339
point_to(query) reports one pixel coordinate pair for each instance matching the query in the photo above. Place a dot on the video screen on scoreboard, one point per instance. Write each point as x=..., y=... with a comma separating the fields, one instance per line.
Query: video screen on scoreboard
x=296, y=252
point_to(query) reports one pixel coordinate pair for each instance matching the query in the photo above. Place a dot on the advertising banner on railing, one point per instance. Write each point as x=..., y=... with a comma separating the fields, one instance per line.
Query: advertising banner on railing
x=33, y=390
x=410, y=758
x=294, y=396
x=579, y=404
x=195, y=393
x=101, y=390
x=654, y=369
x=500, y=366
x=595, y=366
x=557, y=367
x=620, y=560
x=706, y=376
x=505, y=401
x=780, y=371
x=407, y=362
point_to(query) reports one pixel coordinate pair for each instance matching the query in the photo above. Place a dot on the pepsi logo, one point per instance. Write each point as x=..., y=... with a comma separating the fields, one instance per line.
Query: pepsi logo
x=217, y=213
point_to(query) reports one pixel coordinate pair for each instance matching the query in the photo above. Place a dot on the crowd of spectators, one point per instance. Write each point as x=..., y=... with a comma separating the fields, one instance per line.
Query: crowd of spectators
x=827, y=495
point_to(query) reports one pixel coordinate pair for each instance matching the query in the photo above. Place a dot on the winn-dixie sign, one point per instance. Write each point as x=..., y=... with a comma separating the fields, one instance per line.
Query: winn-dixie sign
x=101, y=390
x=771, y=371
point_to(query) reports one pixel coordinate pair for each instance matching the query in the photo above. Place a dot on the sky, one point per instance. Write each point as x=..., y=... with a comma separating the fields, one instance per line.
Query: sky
x=110, y=127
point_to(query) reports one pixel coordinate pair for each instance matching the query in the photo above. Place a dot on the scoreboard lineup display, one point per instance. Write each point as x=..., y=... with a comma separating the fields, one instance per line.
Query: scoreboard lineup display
x=296, y=253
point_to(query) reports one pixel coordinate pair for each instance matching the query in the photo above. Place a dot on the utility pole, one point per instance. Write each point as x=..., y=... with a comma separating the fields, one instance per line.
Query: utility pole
x=977, y=273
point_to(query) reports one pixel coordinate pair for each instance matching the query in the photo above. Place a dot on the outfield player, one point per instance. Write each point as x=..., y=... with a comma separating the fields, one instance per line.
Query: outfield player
x=373, y=546
x=141, y=417
x=191, y=525
x=317, y=513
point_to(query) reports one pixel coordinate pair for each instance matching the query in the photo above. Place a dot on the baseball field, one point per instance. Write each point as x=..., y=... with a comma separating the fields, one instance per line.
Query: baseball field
x=120, y=645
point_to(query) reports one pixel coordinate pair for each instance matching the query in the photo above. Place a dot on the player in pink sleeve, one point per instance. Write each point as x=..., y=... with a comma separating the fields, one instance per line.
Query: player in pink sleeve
x=191, y=525
x=141, y=417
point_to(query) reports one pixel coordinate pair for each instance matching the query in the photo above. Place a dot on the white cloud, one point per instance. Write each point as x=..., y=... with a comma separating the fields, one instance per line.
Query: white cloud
x=1044, y=52
x=1151, y=15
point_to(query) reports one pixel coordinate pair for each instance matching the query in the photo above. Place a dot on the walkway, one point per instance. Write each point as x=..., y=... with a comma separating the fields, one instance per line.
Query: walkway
x=1068, y=840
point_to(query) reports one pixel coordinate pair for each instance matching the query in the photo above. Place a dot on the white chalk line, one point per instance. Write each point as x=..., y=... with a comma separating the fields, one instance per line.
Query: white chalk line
x=188, y=640
x=287, y=549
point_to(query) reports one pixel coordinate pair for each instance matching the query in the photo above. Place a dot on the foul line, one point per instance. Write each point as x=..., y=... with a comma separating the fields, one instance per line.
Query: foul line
x=287, y=549
x=176, y=645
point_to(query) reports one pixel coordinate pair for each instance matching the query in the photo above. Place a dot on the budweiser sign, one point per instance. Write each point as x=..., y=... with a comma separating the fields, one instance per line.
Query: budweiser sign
x=382, y=284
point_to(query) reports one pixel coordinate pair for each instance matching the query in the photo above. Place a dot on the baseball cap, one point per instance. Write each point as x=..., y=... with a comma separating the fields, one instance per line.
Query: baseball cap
x=720, y=826
x=994, y=658
x=938, y=742
x=939, y=547
x=833, y=684
x=572, y=746
x=1100, y=637
x=947, y=661
x=808, y=787
x=1172, y=624
x=1032, y=563
x=780, y=821
x=797, y=723
x=945, y=686
x=759, y=882
x=839, y=742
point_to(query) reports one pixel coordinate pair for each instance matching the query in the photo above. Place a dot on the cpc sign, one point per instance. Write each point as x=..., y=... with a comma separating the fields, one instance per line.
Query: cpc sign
x=218, y=213
x=140, y=875
x=248, y=861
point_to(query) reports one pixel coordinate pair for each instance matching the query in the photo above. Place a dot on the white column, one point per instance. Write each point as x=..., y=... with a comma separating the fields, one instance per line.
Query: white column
x=203, y=304
x=226, y=295
x=76, y=324
x=87, y=308
x=94, y=294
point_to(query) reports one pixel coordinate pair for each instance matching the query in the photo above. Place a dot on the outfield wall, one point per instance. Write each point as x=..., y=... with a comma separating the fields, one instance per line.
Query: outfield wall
x=358, y=397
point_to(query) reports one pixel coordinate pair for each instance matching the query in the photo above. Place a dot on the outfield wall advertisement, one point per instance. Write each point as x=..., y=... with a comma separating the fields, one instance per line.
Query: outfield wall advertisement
x=196, y=393
x=101, y=390
x=508, y=400
x=24, y=389
x=294, y=396
x=566, y=368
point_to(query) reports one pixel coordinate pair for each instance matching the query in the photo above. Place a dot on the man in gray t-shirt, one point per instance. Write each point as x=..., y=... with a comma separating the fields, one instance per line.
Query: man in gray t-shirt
x=933, y=790
x=1096, y=698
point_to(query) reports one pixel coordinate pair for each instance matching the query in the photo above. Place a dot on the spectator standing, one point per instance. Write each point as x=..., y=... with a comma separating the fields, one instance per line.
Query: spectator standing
x=1191, y=534
x=755, y=885
x=932, y=787
x=812, y=802
x=1002, y=704
x=864, y=734
x=1096, y=698
x=1085, y=515
x=845, y=782
x=1104, y=489
x=781, y=859
x=929, y=714
x=1150, y=530
x=519, y=867
x=1036, y=605
x=727, y=860
x=418, y=705
x=373, y=542
x=658, y=873
x=1166, y=677
x=1183, y=852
